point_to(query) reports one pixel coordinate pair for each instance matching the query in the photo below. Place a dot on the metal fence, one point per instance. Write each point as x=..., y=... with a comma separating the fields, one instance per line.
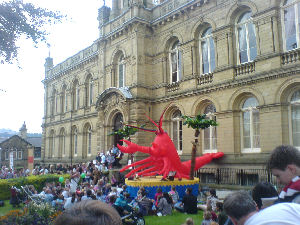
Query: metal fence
x=232, y=176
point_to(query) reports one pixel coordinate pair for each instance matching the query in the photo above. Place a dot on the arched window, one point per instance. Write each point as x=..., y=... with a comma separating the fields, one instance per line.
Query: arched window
x=53, y=103
x=75, y=96
x=207, y=53
x=210, y=133
x=51, y=144
x=61, y=150
x=75, y=141
x=291, y=15
x=177, y=130
x=175, y=63
x=250, y=126
x=247, y=50
x=63, y=105
x=89, y=91
x=295, y=119
x=121, y=72
x=87, y=141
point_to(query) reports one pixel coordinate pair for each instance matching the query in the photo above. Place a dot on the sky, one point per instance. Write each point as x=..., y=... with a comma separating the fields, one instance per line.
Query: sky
x=23, y=95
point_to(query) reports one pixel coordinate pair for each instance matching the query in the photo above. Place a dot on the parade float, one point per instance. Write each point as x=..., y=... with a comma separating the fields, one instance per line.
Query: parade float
x=163, y=168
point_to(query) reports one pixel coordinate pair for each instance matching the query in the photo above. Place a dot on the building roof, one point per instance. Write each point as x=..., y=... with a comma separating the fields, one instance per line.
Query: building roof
x=35, y=141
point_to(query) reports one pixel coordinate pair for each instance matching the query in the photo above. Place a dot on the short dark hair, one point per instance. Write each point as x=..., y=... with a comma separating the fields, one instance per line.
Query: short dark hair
x=189, y=190
x=282, y=156
x=263, y=190
x=239, y=204
x=89, y=212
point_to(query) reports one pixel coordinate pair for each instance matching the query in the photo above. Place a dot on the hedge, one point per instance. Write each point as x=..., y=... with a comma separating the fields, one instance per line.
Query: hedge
x=37, y=181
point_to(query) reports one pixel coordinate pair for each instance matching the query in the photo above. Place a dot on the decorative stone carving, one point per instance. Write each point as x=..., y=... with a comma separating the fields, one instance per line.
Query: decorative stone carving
x=112, y=100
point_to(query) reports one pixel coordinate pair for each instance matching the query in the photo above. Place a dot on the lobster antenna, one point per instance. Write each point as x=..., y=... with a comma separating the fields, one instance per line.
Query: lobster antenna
x=152, y=121
x=161, y=117
x=140, y=128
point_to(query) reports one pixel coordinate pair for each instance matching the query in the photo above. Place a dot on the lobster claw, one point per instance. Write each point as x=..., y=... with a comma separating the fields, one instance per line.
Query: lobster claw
x=131, y=147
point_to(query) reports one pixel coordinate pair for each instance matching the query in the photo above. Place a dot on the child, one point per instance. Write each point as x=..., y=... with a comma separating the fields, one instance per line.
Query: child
x=189, y=221
x=207, y=218
x=284, y=163
x=214, y=216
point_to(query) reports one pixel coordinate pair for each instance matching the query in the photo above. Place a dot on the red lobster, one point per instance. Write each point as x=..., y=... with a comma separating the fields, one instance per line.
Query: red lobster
x=163, y=156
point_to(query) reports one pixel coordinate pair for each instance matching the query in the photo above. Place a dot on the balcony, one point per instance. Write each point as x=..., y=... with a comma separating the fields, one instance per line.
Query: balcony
x=244, y=69
x=290, y=57
x=173, y=87
x=205, y=78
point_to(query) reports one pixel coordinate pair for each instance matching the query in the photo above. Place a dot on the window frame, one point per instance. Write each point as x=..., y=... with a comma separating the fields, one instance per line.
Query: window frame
x=121, y=63
x=296, y=103
x=206, y=38
x=178, y=55
x=211, y=116
x=179, y=134
x=20, y=157
x=296, y=5
x=251, y=110
x=237, y=25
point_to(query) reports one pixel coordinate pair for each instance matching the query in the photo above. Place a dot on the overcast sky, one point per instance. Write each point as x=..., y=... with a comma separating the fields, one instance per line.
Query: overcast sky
x=23, y=99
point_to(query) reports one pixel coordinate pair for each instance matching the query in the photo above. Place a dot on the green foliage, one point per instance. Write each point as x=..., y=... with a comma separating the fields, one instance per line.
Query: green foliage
x=125, y=132
x=199, y=122
x=22, y=19
x=37, y=181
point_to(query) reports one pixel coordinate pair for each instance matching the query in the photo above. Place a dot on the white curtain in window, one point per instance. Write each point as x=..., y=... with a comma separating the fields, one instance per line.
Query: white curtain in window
x=210, y=133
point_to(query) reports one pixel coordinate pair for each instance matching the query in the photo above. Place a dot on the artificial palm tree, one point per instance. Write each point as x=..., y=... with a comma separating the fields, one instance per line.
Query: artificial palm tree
x=200, y=122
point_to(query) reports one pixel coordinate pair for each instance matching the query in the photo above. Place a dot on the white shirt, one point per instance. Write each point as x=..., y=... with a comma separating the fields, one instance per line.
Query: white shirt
x=278, y=214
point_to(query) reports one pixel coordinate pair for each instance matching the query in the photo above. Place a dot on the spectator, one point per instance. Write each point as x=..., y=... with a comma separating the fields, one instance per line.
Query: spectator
x=145, y=204
x=207, y=218
x=165, y=204
x=264, y=194
x=189, y=203
x=214, y=216
x=174, y=195
x=89, y=212
x=211, y=200
x=189, y=221
x=242, y=210
x=69, y=202
x=285, y=165
x=222, y=217
x=157, y=195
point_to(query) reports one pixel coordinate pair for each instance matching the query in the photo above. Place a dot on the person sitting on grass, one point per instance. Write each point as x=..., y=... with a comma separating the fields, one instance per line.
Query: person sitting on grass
x=284, y=162
x=188, y=204
x=165, y=205
x=174, y=195
x=189, y=221
x=145, y=204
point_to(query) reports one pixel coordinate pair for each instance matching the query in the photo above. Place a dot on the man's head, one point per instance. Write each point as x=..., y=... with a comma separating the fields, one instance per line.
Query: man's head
x=188, y=190
x=284, y=162
x=89, y=212
x=238, y=206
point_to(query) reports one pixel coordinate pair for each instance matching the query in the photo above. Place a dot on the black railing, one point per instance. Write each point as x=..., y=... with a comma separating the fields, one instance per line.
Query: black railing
x=232, y=176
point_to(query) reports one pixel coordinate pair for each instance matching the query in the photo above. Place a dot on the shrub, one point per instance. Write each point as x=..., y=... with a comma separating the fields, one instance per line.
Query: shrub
x=37, y=181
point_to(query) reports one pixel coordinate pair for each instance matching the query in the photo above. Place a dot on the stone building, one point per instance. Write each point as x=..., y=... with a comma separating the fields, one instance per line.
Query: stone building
x=26, y=150
x=235, y=60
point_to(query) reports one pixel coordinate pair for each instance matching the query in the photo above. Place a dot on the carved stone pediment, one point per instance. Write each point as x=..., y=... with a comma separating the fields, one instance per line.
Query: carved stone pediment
x=112, y=98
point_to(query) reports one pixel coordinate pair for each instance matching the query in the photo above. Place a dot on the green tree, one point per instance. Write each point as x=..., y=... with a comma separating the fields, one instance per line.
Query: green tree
x=22, y=19
x=197, y=123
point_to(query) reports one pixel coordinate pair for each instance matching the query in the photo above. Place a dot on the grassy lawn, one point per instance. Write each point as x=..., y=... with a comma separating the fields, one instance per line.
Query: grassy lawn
x=7, y=207
x=176, y=218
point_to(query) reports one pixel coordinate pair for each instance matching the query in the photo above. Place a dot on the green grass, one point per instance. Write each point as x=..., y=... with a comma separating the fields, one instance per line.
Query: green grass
x=176, y=218
x=7, y=207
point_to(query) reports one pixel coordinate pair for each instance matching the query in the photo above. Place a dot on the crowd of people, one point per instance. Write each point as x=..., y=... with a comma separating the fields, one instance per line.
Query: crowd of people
x=97, y=191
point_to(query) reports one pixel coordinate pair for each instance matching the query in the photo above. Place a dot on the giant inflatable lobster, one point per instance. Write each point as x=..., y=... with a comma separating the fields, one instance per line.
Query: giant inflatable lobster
x=163, y=157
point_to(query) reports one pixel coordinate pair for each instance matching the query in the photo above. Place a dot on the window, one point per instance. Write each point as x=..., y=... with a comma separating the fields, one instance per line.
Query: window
x=175, y=63
x=6, y=155
x=89, y=141
x=74, y=96
x=250, y=126
x=62, y=150
x=53, y=103
x=295, y=119
x=291, y=11
x=210, y=133
x=63, y=100
x=75, y=140
x=121, y=72
x=246, y=38
x=77, y=98
x=51, y=144
x=207, y=54
x=88, y=92
x=37, y=153
x=177, y=130
x=20, y=154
